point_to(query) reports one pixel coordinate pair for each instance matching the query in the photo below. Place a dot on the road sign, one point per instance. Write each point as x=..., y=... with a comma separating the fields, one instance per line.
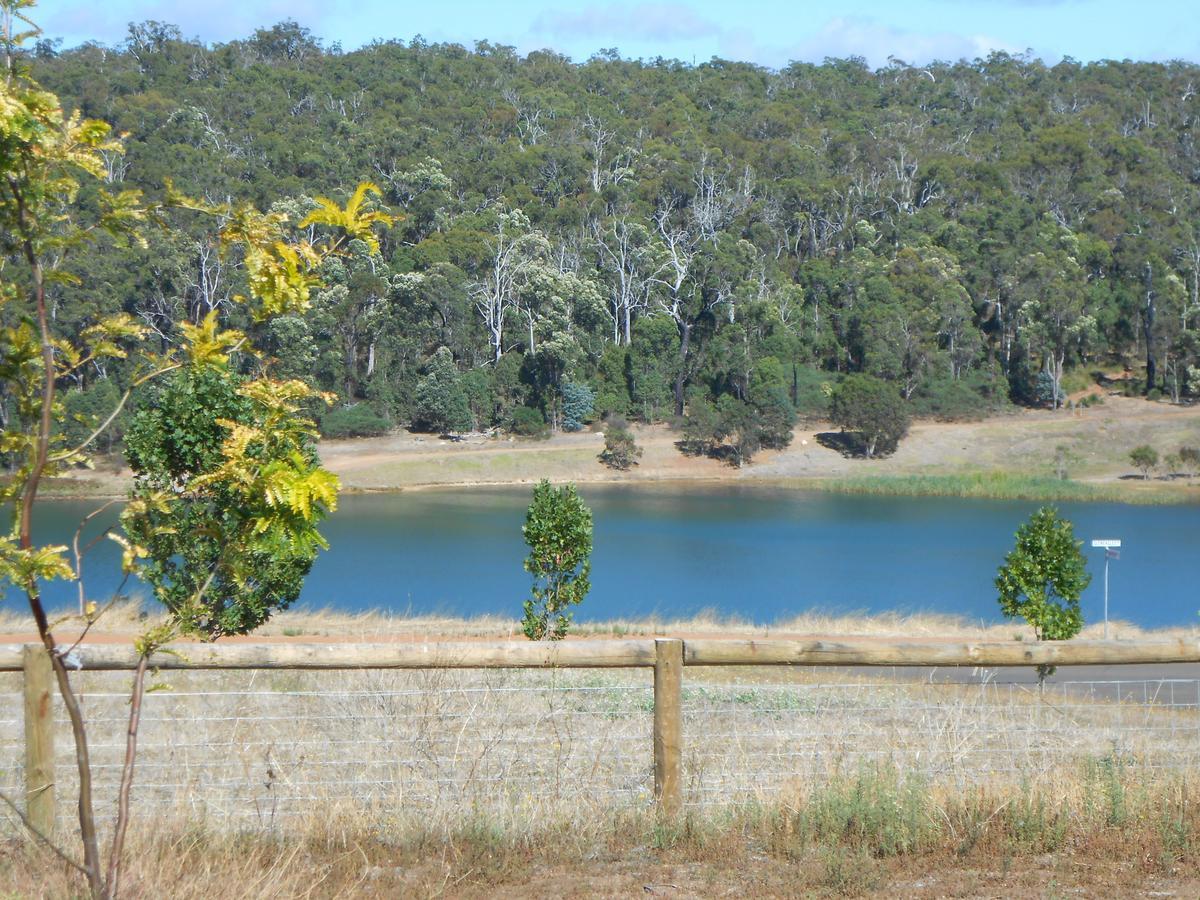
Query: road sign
x=1106, y=544
x=1109, y=553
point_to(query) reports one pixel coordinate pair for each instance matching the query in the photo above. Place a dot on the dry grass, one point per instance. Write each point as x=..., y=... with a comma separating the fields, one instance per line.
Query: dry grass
x=132, y=617
x=539, y=783
x=872, y=835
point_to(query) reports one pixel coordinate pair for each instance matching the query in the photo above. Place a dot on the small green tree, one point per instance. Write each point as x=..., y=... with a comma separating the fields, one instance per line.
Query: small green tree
x=577, y=402
x=873, y=408
x=227, y=493
x=1145, y=458
x=1043, y=577
x=441, y=402
x=620, y=449
x=1189, y=459
x=701, y=428
x=558, y=530
x=739, y=430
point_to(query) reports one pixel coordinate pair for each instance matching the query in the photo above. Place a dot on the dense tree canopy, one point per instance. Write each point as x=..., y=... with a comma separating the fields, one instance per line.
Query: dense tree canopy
x=663, y=233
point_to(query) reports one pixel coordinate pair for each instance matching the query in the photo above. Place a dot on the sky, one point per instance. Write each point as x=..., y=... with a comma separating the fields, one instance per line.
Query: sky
x=767, y=33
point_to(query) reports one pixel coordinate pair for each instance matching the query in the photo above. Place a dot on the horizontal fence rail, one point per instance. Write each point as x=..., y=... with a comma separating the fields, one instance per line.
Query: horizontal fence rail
x=597, y=730
x=601, y=654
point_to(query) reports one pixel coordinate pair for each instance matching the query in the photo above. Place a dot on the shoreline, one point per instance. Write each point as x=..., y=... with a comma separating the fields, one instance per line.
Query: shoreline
x=982, y=484
x=1015, y=456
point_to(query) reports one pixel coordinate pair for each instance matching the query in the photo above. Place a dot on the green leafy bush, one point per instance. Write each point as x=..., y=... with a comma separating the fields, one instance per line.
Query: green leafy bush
x=359, y=420
x=620, y=449
x=809, y=392
x=949, y=400
x=1043, y=577
x=220, y=557
x=528, y=422
x=577, y=402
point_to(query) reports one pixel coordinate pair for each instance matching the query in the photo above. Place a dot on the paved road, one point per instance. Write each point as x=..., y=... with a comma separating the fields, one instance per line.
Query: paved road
x=1176, y=683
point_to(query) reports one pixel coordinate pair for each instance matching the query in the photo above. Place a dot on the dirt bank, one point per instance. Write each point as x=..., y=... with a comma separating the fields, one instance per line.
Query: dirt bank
x=1097, y=440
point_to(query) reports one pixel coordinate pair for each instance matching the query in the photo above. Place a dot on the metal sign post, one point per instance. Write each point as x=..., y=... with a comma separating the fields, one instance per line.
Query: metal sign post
x=1111, y=548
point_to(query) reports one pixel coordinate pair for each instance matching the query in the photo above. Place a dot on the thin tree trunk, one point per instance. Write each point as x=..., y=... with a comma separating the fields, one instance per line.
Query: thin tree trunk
x=1148, y=316
x=113, y=880
x=685, y=339
x=87, y=821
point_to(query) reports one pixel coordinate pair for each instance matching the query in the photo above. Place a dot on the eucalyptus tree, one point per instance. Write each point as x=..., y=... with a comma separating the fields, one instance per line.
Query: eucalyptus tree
x=514, y=253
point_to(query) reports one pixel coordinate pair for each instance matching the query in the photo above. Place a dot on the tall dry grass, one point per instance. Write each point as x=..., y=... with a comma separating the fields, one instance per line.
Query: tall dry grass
x=873, y=833
x=130, y=617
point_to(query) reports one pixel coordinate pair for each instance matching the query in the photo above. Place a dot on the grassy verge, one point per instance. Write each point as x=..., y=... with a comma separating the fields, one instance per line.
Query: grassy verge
x=875, y=832
x=1011, y=486
x=133, y=617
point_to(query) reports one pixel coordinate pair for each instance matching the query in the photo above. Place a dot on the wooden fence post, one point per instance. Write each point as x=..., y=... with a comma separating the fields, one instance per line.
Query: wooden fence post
x=39, y=738
x=668, y=725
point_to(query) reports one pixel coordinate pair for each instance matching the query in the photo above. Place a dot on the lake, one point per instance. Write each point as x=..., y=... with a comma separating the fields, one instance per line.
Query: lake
x=759, y=554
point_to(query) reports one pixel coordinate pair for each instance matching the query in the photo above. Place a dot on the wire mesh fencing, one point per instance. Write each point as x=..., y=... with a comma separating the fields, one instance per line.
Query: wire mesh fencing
x=12, y=743
x=758, y=741
x=263, y=749
x=271, y=749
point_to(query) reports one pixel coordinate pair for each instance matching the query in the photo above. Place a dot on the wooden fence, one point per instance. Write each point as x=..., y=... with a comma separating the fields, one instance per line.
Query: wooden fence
x=666, y=656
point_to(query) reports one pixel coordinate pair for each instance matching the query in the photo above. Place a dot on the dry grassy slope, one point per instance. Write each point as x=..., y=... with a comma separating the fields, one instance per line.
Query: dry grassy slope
x=1023, y=442
x=1101, y=437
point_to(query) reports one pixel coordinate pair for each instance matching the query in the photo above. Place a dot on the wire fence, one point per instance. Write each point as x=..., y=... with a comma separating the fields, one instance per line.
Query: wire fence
x=267, y=749
x=12, y=743
x=762, y=741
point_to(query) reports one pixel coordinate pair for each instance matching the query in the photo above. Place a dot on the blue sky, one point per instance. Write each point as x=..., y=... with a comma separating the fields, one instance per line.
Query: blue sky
x=769, y=33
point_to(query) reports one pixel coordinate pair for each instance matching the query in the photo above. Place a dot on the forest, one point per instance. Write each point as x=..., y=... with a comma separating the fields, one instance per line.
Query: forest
x=717, y=245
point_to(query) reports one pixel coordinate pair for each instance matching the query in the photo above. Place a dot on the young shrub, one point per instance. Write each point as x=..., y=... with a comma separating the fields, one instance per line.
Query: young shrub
x=739, y=430
x=621, y=451
x=359, y=420
x=950, y=399
x=1189, y=459
x=1064, y=459
x=221, y=556
x=1173, y=464
x=577, y=402
x=1046, y=391
x=1043, y=577
x=528, y=422
x=1145, y=458
x=558, y=530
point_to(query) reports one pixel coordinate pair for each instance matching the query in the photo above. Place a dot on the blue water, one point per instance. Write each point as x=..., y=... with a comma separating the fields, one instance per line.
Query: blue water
x=761, y=555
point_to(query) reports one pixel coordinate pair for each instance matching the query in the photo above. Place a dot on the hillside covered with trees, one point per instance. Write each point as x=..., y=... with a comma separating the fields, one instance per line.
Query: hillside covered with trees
x=649, y=238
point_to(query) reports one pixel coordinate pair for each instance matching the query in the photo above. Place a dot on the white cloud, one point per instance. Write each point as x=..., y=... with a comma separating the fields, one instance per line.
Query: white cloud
x=857, y=36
